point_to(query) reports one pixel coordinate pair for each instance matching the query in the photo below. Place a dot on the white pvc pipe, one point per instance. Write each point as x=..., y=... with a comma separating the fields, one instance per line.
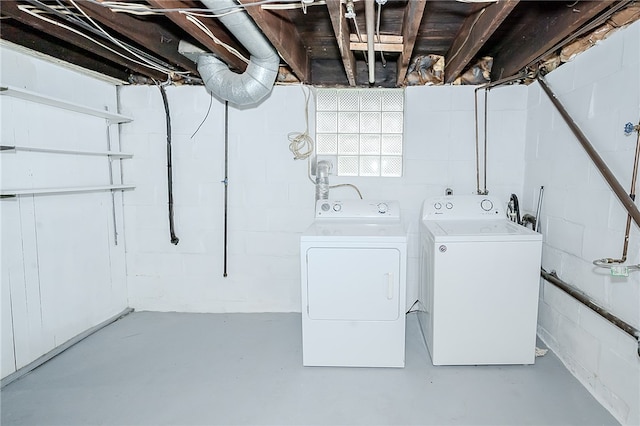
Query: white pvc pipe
x=369, y=11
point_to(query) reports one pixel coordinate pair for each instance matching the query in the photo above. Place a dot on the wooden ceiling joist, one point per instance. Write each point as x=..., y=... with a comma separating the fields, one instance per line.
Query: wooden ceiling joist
x=410, y=24
x=10, y=9
x=341, y=30
x=13, y=31
x=475, y=31
x=540, y=33
x=152, y=36
x=284, y=36
x=212, y=24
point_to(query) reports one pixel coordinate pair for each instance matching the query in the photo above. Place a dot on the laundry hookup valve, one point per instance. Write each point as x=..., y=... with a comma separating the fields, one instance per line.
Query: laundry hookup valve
x=630, y=128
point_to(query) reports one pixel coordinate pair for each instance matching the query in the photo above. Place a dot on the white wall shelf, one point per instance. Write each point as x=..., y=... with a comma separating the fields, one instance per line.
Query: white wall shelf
x=61, y=103
x=114, y=154
x=5, y=193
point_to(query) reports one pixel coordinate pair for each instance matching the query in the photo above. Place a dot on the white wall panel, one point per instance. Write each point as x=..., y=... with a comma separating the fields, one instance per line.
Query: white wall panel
x=271, y=200
x=62, y=272
x=583, y=220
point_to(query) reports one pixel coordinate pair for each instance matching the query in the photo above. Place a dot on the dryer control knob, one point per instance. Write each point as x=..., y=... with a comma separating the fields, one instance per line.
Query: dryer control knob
x=449, y=206
x=437, y=206
x=486, y=205
x=337, y=207
x=383, y=208
x=325, y=207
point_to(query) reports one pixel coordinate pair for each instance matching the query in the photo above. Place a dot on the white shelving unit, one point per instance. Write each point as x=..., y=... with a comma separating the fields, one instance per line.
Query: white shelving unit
x=6, y=193
x=112, y=154
x=17, y=92
x=111, y=118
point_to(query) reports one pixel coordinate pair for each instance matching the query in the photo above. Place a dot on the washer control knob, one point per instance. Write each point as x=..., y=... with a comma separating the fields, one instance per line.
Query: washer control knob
x=325, y=207
x=337, y=207
x=449, y=205
x=437, y=206
x=383, y=208
x=486, y=205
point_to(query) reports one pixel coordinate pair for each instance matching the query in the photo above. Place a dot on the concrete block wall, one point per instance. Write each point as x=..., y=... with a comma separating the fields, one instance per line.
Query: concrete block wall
x=582, y=220
x=62, y=272
x=271, y=200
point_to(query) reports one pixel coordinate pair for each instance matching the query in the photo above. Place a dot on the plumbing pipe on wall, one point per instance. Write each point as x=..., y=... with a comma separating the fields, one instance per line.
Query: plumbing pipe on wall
x=624, y=198
x=552, y=278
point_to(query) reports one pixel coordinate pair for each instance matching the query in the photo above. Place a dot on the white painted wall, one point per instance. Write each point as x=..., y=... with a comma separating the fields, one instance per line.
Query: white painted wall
x=61, y=272
x=582, y=220
x=271, y=201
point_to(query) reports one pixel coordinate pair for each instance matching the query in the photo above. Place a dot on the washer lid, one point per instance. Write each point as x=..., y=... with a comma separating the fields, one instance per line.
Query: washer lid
x=472, y=230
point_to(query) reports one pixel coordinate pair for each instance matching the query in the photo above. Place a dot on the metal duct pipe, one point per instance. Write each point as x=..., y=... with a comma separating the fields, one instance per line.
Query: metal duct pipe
x=257, y=80
x=323, y=169
x=552, y=278
x=624, y=198
x=369, y=13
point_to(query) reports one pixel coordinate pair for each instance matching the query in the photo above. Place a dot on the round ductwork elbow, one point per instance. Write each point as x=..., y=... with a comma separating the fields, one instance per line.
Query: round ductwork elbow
x=258, y=79
x=240, y=89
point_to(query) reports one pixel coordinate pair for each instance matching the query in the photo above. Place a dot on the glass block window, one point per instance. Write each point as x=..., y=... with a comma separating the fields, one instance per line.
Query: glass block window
x=362, y=130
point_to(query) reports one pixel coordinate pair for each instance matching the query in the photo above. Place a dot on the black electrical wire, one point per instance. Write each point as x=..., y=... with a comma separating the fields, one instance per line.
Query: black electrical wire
x=205, y=116
x=174, y=239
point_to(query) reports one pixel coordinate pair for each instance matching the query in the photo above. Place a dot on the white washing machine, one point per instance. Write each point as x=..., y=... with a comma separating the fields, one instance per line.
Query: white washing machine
x=353, y=264
x=479, y=280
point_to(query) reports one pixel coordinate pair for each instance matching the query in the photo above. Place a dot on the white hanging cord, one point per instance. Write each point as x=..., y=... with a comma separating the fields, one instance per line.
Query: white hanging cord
x=349, y=185
x=37, y=14
x=290, y=6
x=117, y=42
x=301, y=144
x=202, y=27
x=382, y=58
x=141, y=9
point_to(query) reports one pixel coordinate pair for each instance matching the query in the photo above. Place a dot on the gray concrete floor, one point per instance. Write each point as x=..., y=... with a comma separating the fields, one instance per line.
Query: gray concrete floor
x=205, y=369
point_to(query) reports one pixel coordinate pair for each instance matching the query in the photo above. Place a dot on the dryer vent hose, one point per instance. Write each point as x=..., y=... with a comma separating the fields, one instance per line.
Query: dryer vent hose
x=322, y=179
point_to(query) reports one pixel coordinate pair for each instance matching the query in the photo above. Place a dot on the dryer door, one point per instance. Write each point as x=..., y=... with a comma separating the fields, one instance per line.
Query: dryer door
x=353, y=283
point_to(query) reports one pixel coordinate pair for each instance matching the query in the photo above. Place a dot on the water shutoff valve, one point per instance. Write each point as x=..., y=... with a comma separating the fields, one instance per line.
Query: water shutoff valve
x=630, y=128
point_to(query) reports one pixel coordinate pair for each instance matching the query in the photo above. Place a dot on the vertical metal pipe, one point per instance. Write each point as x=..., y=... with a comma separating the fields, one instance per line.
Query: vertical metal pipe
x=113, y=195
x=477, y=142
x=624, y=198
x=370, y=10
x=226, y=182
x=632, y=194
x=486, y=120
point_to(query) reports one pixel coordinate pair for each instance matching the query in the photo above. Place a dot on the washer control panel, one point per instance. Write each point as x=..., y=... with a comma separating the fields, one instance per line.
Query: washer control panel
x=462, y=207
x=357, y=209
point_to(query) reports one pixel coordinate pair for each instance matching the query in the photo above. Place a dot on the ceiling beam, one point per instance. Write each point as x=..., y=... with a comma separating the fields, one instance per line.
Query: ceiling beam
x=212, y=24
x=15, y=32
x=543, y=29
x=10, y=9
x=284, y=36
x=148, y=34
x=410, y=25
x=473, y=34
x=341, y=30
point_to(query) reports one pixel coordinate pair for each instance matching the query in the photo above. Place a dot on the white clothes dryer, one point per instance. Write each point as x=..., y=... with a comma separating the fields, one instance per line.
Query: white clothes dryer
x=353, y=264
x=479, y=283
